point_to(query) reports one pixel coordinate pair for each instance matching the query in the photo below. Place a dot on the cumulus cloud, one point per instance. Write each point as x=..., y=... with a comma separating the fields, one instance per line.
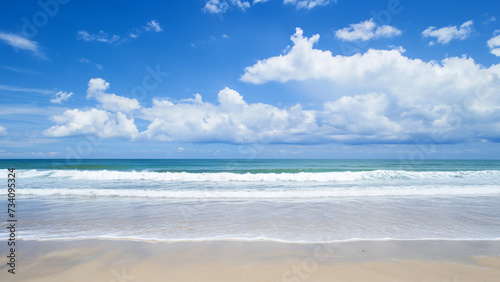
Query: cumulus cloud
x=494, y=44
x=92, y=122
x=232, y=120
x=398, y=100
x=110, y=121
x=19, y=42
x=365, y=118
x=108, y=101
x=3, y=131
x=445, y=34
x=410, y=80
x=369, y=117
x=366, y=30
x=424, y=96
x=60, y=97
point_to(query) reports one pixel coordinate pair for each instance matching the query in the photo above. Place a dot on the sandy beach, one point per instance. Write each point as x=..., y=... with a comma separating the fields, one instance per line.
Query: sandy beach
x=122, y=260
x=250, y=140
x=202, y=220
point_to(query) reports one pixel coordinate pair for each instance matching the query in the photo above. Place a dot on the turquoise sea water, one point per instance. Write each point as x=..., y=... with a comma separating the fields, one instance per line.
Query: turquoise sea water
x=283, y=200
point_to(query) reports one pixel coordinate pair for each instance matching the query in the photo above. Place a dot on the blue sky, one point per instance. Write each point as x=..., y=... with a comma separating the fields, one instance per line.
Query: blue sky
x=250, y=79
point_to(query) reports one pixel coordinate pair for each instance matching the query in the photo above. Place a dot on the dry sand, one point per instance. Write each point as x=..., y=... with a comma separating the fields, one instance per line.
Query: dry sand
x=120, y=260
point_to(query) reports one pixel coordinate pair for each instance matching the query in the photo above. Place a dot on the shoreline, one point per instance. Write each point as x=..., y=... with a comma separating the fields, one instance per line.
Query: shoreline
x=389, y=260
x=250, y=240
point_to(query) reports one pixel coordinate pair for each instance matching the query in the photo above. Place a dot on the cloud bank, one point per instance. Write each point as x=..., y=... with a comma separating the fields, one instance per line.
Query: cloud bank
x=397, y=100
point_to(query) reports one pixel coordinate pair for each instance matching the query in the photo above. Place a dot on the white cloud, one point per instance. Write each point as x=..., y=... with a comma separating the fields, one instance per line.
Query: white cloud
x=19, y=42
x=307, y=4
x=232, y=120
x=109, y=101
x=22, y=89
x=494, y=44
x=380, y=96
x=134, y=33
x=387, y=31
x=229, y=97
x=154, y=26
x=424, y=96
x=215, y=6
x=92, y=122
x=97, y=85
x=110, y=121
x=99, y=37
x=3, y=131
x=369, y=118
x=20, y=70
x=221, y=6
x=361, y=114
x=197, y=99
x=241, y=4
x=84, y=61
x=400, y=49
x=411, y=80
x=61, y=97
x=366, y=30
x=490, y=20
x=358, y=119
x=445, y=34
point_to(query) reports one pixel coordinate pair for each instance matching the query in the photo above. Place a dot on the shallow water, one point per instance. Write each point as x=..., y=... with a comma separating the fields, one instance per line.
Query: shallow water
x=283, y=200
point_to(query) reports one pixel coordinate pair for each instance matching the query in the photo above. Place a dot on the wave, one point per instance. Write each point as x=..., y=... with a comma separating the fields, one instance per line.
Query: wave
x=384, y=191
x=493, y=175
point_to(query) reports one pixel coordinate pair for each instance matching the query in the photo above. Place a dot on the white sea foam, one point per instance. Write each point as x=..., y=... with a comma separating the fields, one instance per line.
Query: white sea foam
x=242, y=239
x=383, y=191
x=343, y=176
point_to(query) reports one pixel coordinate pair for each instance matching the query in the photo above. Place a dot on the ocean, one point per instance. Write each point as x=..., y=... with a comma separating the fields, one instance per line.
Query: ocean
x=277, y=200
